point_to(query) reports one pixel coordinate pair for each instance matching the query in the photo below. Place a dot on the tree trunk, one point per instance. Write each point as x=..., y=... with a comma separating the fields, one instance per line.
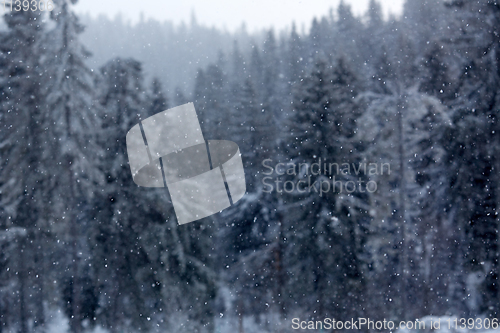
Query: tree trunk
x=75, y=320
x=39, y=278
x=403, y=260
x=240, y=316
x=279, y=267
x=22, y=286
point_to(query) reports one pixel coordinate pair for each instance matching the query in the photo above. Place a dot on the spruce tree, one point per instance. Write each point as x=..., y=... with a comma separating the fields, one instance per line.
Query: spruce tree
x=23, y=178
x=158, y=99
x=404, y=131
x=322, y=231
x=72, y=111
x=473, y=148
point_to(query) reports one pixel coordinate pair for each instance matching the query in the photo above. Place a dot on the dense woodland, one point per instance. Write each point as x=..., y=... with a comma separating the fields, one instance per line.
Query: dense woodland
x=420, y=93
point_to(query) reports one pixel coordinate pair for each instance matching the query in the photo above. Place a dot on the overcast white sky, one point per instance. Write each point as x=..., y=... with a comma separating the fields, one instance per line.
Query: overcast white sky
x=257, y=14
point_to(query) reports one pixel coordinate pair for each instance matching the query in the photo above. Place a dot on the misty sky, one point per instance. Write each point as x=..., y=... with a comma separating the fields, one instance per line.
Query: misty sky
x=228, y=13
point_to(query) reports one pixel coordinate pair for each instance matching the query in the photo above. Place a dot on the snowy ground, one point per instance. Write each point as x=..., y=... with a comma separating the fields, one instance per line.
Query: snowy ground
x=58, y=323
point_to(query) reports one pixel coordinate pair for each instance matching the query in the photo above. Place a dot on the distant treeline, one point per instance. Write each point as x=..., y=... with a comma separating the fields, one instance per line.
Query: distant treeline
x=420, y=94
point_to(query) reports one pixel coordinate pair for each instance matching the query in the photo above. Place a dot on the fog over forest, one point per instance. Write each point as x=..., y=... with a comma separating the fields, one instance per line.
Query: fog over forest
x=370, y=154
